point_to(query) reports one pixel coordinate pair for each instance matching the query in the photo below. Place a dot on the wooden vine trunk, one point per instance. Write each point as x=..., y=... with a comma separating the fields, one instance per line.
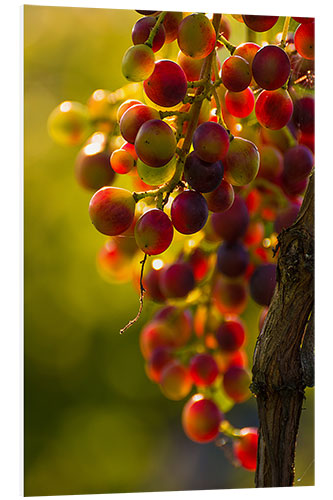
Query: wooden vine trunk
x=283, y=356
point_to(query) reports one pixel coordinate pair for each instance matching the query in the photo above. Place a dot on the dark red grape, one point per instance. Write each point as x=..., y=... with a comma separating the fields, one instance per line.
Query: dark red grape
x=230, y=335
x=260, y=23
x=141, y=31
x=232, y=223
x=262, y=284
x=304, y=114
x=177, y=280
x=167, y=86
x=221, y=198
x=232, y=259
x=297, y=164
x=202, y=176
x=171, y=24
x=271, y=67
x=189, y=212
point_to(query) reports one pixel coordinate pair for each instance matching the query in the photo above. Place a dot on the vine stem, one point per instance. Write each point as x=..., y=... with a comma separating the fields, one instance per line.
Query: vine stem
x=150, y=39
x=285, y=31
x=142, y=292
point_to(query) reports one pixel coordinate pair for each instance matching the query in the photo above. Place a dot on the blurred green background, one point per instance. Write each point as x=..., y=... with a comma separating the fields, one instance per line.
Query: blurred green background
x=94, y=423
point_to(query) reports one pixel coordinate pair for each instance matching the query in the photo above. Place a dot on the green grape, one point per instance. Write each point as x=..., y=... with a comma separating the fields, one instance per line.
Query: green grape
x=69, y=123
x=156, y=176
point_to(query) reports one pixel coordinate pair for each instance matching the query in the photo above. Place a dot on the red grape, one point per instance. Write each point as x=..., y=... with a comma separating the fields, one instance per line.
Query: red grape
x=271, y=67
x=153, y=232
x=167, y=85
x=201, y=419
x=111, y=210
x=274, y=108
x=155, y=143
x=189, y=212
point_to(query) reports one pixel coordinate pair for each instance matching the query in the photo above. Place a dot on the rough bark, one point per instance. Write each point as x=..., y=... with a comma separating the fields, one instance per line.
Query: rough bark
x=283, y=357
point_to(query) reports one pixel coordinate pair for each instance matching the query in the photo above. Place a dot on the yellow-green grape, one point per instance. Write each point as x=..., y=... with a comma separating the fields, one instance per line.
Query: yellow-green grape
x=156, y=176
x=69, y=123
x=138, y=63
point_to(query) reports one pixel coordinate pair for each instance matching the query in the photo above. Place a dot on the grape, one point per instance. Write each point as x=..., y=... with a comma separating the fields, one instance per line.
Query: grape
x=151, y=283
x=153, y=232
x=148, y=12
x=230, y=336
x=240, y=104
x=210, y=142
x=274, y=108
x=191, y=67
x=262, y=284
x=232, y=259
x=156, y=176
x=304, y=40
x=254, y=234
x=129, y=148
x=179, y=321
x=221, y=198
x=111, y=210
x=196, y=36
x=159, y=358
x=271, y=162
x=271, y=67
x=122, y=161
x=241, y=164
x=68, y=124
x=260, y=23
x=304, y=20
x=236, y=382
x=113, y=263
x=155, y=143
x=203, y=369
x=155, y=334
x=175, y=381
x=177, y=280
x=304, y=114
x=230, y=297
x=141, y=31
x=236, y=74
x=232, y=223
x=134, y=118
x=246, y=446
x=138, y=63
x=247, y=51
x=202, y=176
x=125, y=106
x=297, y=164
x=199, y=263
x=171, y=23
x=189, y=212
x=286, y=217
x=92, y=167
x=167, y=86
x=201, y=419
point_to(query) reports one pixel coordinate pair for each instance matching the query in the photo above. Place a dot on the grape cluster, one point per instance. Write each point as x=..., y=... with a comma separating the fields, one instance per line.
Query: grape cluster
x=216, y=157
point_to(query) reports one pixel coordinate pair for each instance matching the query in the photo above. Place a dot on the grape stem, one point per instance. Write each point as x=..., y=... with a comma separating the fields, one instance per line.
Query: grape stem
x=193, y=120
x=142, y=292
x=285, y=32
x=150, y=39
x=229, y=46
